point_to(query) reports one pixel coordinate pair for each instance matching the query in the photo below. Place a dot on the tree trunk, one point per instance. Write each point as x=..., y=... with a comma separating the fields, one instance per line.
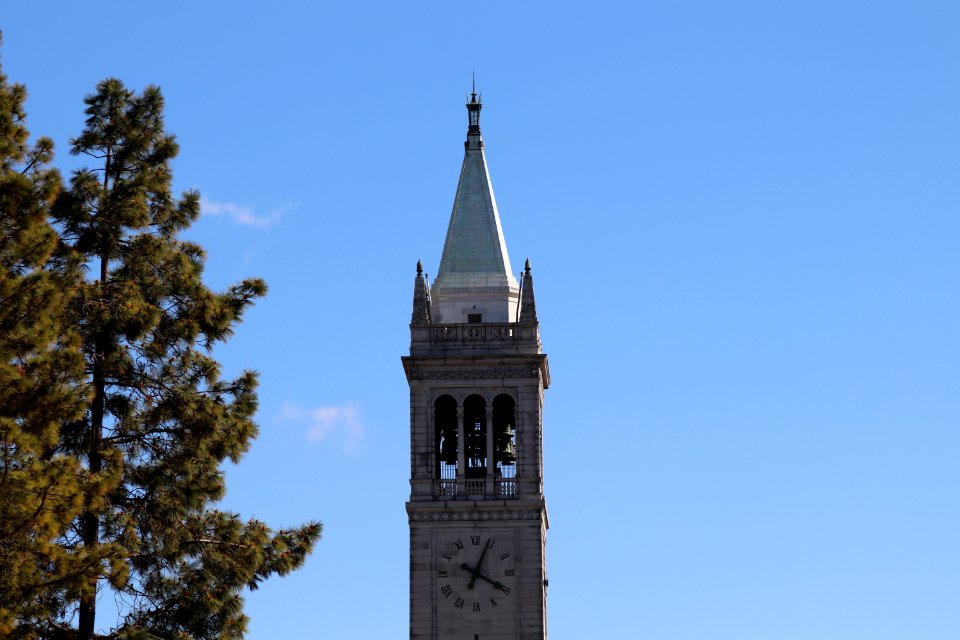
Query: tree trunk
x=87, y=612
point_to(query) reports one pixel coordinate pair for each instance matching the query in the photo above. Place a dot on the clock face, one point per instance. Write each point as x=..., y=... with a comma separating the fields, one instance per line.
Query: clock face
x=475, y=572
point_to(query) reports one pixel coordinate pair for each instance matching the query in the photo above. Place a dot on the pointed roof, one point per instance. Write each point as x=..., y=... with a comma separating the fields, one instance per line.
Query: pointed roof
x=421, y=298
x=528, y=303
x=475, y=253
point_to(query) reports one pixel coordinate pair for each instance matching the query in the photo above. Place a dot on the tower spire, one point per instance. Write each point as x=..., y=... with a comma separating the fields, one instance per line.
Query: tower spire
x=475, y=279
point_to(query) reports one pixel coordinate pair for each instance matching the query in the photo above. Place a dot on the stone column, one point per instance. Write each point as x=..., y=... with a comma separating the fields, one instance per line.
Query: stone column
x=491, y=464
x=461, y=454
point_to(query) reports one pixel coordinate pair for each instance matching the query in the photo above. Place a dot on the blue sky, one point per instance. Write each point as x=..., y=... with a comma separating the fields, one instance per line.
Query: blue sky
x=743, y=220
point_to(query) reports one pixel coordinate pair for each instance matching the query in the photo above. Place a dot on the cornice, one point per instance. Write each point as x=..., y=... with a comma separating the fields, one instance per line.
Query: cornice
x=477, y=368
x=461, y=515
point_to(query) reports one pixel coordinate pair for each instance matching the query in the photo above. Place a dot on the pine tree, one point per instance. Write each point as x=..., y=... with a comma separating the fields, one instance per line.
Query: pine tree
x=160, y=416
x=41, y=491
x=41, y=367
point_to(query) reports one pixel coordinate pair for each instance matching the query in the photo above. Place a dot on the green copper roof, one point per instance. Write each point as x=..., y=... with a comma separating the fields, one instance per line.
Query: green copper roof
x=475, y=253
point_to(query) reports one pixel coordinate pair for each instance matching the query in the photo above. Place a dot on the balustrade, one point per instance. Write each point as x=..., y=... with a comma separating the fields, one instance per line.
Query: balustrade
x=503, y=488
x=445, y=487
x=474, y=333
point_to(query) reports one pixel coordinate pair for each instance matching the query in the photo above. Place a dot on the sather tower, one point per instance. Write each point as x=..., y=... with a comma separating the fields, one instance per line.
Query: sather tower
x=477, y=372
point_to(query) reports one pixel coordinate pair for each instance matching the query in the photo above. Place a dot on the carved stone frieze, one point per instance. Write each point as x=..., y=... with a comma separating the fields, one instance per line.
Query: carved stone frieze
x=455, y=516
x=479, y=373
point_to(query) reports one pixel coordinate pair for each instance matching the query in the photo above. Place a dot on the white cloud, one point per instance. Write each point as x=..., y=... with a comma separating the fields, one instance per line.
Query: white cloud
x=337, y=424
x=243, y=214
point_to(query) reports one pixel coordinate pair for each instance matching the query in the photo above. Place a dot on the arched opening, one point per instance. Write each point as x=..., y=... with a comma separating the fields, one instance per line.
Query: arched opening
x=445, y=424
x=475, y=436
x=504, y=440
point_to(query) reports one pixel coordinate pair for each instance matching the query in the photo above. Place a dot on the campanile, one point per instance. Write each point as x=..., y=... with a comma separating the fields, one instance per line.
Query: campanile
x=477, y=372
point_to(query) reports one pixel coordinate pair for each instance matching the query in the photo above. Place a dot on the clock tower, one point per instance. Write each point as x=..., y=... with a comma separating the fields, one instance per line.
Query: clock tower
x=476, y=372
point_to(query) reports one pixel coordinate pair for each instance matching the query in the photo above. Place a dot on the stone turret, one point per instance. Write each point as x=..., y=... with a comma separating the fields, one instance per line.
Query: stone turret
x=528, y=304
x=421, y=298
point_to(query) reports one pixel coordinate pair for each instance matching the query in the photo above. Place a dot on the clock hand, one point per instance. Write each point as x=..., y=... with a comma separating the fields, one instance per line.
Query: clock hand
x=485, y=547
x=496, y=585
x=473, y=574
x=475, y=571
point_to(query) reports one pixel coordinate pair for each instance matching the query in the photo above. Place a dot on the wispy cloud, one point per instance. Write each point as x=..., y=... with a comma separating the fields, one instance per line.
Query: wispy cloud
x=338, y=424
x=244, y=214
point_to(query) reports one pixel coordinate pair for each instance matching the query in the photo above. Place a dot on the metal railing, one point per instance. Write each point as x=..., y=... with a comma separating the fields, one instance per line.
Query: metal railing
x=503, y=488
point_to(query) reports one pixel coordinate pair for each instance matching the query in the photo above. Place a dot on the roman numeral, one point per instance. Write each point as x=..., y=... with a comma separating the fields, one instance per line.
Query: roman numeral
x=458, y=603
x=475, y=541
x=459, y=545
x=508, y=572
x=505, y=589
x=446, y=590
x=493, y=602
x=476, y=606
x=446, y=557
x=505, y=556
x=442, y=573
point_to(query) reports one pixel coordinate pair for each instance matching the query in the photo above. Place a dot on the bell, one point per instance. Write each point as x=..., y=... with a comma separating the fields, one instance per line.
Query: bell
x=509, y=453
x=448, y=450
